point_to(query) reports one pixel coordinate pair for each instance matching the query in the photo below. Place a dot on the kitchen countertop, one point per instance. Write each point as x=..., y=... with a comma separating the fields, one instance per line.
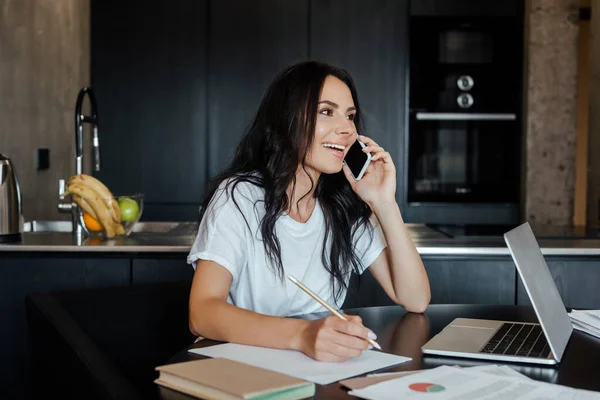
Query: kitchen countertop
x=451, y=240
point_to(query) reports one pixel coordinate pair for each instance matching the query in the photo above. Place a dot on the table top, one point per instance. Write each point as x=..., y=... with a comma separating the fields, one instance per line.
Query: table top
x=403, y=333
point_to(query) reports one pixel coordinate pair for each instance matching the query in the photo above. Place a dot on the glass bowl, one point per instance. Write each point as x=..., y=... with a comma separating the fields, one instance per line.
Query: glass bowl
x=130, y=208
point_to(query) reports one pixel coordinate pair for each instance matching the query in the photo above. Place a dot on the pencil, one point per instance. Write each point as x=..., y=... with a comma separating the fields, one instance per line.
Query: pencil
x=327, y=306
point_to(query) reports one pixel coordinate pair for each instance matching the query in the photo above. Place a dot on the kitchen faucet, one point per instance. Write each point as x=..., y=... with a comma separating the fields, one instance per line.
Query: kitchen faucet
x=80, y=120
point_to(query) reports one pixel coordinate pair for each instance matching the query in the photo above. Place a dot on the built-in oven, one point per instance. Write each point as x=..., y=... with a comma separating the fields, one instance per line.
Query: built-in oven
x=465, y=102
x=464, y=158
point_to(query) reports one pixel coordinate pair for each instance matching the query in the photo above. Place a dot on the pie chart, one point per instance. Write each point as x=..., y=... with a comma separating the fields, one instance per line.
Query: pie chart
x=426, y=387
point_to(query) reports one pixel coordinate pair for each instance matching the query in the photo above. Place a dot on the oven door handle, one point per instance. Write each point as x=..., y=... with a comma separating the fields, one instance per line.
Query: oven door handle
x=427, y=116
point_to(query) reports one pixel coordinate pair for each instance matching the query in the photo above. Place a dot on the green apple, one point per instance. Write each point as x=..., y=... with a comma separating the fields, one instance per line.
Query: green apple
x=129, y=209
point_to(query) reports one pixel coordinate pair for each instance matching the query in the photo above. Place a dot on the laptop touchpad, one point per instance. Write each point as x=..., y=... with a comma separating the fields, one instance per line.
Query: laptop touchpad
x=464, y=335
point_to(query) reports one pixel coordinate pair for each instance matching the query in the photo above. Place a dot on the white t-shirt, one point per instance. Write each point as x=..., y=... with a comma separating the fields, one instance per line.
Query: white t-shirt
x=224, y=237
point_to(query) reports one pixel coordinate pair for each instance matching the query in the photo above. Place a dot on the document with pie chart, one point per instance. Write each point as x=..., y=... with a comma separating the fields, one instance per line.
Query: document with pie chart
x=458, y=383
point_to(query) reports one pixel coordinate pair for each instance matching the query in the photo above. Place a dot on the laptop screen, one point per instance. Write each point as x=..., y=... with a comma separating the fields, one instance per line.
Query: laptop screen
x=540, y=287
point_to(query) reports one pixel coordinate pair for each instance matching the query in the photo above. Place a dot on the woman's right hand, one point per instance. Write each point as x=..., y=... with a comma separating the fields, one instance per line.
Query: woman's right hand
x=332, y=339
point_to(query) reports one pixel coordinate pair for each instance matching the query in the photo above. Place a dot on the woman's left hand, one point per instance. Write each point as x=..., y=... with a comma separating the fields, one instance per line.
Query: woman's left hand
x=378, y=184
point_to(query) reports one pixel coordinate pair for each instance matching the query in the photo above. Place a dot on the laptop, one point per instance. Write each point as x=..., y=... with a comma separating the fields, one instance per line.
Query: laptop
x=542, y=343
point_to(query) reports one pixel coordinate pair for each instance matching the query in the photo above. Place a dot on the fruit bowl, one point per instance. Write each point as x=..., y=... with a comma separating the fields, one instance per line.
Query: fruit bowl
x=126, y=209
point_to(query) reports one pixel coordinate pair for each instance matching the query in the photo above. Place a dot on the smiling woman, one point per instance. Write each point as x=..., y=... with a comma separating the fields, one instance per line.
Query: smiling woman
x=287, y=205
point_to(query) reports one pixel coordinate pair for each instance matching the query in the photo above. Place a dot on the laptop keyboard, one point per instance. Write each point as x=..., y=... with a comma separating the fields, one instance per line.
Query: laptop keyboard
x=524, y=340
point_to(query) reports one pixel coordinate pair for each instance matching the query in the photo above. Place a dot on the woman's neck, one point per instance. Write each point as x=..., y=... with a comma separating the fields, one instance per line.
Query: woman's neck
x=301, y=195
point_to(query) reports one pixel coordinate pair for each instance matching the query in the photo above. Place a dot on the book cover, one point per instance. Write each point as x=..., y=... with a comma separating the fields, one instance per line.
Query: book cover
x=221, y=378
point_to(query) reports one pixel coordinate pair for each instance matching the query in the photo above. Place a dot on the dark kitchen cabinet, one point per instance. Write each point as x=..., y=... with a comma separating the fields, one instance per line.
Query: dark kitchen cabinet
x=250, y=42
x=471, y=280
x=149, y=65
x=370, y=40
x=159, y=268
x=576, y=280
x=177, y=85
x=24, y=274
x=366, y=292
x=453, y=280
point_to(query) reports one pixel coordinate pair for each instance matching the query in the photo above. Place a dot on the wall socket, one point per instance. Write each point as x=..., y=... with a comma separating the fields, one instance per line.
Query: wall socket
x=42, y=159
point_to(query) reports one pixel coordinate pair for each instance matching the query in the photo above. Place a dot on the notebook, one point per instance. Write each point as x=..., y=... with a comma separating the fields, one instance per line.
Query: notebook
x=221, y=378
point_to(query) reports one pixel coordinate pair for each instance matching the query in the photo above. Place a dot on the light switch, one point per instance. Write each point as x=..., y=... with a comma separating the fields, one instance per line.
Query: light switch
x=42, y=159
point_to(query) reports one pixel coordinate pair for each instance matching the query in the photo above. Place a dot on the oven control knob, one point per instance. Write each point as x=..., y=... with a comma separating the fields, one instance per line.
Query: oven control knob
x=465, y=82
x=465, y=100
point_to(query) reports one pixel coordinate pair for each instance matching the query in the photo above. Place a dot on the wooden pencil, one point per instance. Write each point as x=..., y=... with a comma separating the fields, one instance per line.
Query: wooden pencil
x=327, y=306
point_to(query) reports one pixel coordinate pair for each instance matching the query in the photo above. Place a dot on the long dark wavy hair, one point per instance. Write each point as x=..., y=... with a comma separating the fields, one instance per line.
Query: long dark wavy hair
x=275, y=144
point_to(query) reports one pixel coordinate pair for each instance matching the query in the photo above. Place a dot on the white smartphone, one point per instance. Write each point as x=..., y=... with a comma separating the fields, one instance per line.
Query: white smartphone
x=357, y=160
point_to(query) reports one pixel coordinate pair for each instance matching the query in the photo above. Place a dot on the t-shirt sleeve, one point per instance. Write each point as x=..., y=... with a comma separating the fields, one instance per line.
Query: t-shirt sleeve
x=223, y=232
x=369, y=246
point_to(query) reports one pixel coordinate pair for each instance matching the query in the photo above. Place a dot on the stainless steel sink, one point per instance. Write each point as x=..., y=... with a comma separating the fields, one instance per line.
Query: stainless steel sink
x=167, y=228
x=48, y=226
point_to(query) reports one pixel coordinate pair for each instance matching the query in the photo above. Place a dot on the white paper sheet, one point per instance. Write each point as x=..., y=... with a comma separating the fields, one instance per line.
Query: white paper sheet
x=296, y=364
x=587, y=321
x=500, y=370
x=595, y=314
x=463, y=383
x=585, y=328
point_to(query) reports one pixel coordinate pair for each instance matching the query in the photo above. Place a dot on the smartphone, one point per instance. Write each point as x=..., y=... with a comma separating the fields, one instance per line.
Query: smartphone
x=357, y=160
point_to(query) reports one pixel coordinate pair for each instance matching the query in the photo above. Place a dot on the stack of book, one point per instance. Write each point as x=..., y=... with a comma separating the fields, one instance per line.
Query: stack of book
x=223, y=379
x=587, y=321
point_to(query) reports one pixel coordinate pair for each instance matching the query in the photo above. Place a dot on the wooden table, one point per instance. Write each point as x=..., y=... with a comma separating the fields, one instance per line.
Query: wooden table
x=404, y=333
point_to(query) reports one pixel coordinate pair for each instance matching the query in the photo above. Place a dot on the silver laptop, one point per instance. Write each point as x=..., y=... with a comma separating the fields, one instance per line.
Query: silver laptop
x=542, y=343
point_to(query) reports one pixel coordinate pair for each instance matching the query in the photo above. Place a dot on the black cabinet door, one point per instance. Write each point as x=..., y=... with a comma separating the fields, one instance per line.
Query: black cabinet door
x=471, y=280
x=576, y=280
x=21, y=275
x=366, y=292
x=161, y=269
x=250, y=42
x=370, y=40
x=149, y=77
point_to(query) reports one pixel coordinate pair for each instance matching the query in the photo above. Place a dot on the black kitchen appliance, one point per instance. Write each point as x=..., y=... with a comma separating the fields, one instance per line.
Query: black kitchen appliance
x=465, y=105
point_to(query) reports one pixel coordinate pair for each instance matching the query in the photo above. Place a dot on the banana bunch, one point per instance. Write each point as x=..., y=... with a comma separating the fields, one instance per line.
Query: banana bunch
x=95, y=199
